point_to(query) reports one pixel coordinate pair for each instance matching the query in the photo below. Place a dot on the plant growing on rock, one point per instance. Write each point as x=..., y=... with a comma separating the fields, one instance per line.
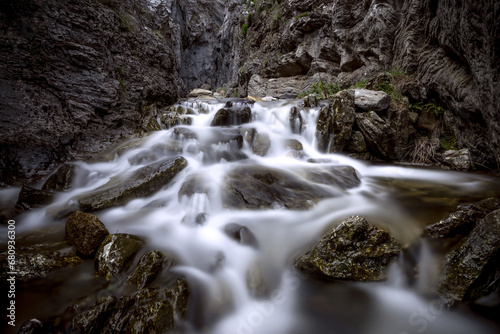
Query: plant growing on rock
x=321, y=90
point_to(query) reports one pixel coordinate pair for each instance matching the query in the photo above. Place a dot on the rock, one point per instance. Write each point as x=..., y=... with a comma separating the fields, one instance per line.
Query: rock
x=401, y=128
x=335, y=122
x=151, y=318
x=232, y=116
x=371, y=100
x=296, y=121
x=357, y=143
x=62, y=179
x=86, y=232
x=377, y=134
x=32, y=326
x=207, y=87
x=173, y=119
x=471, y=271
x=413, y=117
x=458, y=159
x=149, y=266
x=144, y=182
x=116, y=253
x=341, y=177
x=293, y=144
x=261, y=144
x=96, y=318
x=260, y=187
x=463, y=220
x=30, y=198
x=256, y=281
x=200, y=93
x=426, y=120
x=185, y=133
x=269, y=98
x=143, y=157
x=353, y=250
x=40, y=260
x=310, y=101
x=241, y=234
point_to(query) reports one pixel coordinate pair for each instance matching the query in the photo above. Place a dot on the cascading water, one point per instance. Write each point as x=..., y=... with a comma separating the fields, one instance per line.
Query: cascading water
x=190, y=217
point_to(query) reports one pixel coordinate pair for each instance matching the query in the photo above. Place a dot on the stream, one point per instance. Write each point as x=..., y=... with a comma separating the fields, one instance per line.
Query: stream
x=193, y=225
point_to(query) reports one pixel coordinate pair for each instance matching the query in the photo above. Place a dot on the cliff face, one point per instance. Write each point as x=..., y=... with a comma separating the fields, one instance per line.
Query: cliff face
x=76, y=75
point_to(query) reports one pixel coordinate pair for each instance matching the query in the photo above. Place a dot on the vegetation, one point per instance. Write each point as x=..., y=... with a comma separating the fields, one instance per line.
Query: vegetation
x=321, y=90
x=301, y=15
x=244, y=29
x=395, y=72
x=360, y=84
x=387, y=88
x=449, y=142
x=430, y=106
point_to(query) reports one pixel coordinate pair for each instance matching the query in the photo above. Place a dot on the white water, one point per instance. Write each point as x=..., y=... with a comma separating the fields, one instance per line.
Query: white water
x=401, y=200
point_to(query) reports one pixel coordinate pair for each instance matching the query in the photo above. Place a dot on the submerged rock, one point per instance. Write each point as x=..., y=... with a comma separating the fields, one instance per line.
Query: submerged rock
x=458, y=159
x=463, y=220
x=256, y=281
x=371, y=100
x=86, y=232
x=261, y=144
x=144, y=182
x=116, y=253
x=354, y=250
x=260, y=187
x=472, y=271
x=241, y=234
x=232, y=116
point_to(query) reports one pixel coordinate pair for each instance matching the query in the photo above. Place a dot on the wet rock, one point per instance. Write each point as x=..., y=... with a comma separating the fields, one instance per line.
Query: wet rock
x=260, y=187
x=185, y=133
x=232, y=116
x=458, y=159
x=296, y=121
x=116, y=253
x=377, y=134
x=96, y=318
x=200, y=93
x=357, y=143
x=149, y=266
x=61, y=180
x=151, y=318
x=261, y=144
x=463, y=220
x=32, y=326
x=170, y=147
x=342, y=177
x=294, y=144
x=371, y=100
x=335, y=123
x=249, y=135
x=241, y=234
x=352, y=251
x=471, y=271
x=39, y=260
x=194, y=184
x=426, y=120
x=144, y=182
x=86, y=232
x=144, y=156
x=256, y=281
x=310, y=101
x=30, y=198
x=173, y=119
x=153, y=125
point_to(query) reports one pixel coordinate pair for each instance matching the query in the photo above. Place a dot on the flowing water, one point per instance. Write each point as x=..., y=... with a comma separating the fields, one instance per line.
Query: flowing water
x=399, y=199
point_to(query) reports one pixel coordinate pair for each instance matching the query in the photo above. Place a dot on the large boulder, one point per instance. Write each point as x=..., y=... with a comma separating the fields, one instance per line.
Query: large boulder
x=334, y=127
x=144, y=182
x=354, y=250
x=261, y=144
x=85, y=232
x=371, y=100
x=232, y=116
x=472, y=271
x=377, y=133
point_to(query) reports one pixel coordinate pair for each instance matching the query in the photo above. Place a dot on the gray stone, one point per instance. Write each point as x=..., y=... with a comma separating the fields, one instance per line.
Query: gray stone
x=256, y=281
x=371, y=100
x=377, y=134
x=62, y=179
x=30, y=198
x=200, y=93
x=354, y=250
x=261, y=144
x=232, y=116
x=357, y=143
x=458, y=159
x=85, y=231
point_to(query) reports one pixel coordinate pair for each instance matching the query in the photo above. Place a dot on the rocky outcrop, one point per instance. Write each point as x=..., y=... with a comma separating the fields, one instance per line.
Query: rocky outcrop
x=74, y=77
x=354, y=250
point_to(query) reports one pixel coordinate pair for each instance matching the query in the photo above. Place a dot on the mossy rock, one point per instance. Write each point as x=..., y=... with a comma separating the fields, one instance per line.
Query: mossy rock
x=116, y=254
x=86, y=232
x=148, y=268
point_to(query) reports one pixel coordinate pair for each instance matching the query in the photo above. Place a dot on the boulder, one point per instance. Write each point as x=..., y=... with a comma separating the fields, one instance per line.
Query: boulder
x=173, y=119
x=296, y=121
x=463, y=220
x=354, y=250
x=261, y=144
x=96, y=318
x=371, y=100
x=31, y=198
x=116, y=253
x=357, y=143
x=377, y=134
x=458, y=159
x=200, y=93
x=144, y=182
x=335, y=122
x=62, y=179
x=85, y=232
x=149, y=266
x=293, y=144
x=232, y=116
x=471, y=271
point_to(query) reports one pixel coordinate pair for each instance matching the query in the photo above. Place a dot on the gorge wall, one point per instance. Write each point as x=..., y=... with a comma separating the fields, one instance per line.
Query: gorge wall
x=76, y=75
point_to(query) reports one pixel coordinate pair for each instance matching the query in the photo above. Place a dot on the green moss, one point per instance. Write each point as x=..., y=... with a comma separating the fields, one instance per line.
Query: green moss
x=321, y=89
x=301, y=15
x=360, y=84
x=386, y=87
x=395, y=71
x=449, y=143
x=433, y=106
x=244, y=29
